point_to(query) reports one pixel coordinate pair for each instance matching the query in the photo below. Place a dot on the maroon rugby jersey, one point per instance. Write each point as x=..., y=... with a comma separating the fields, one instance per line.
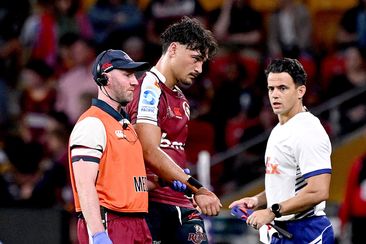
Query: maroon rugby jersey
x=155, y=103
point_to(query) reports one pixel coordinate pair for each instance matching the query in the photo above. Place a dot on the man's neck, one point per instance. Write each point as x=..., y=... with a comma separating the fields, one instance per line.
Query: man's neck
x=283, y=118
x=163, y=66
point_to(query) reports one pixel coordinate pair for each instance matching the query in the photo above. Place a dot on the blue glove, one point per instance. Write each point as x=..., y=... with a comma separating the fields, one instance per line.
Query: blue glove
x=101, y=238
x=179, y=186
x=241, y=212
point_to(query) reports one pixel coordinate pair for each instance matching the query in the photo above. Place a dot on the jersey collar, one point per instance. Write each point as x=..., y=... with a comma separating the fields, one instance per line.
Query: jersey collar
x=109, y=110
x=158, y=74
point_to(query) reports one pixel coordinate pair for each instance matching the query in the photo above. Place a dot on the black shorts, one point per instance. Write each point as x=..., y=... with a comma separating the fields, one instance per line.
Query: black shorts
x=171, y=224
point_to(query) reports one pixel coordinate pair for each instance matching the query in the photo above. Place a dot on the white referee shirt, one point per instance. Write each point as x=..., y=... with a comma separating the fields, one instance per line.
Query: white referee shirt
x=295, y=151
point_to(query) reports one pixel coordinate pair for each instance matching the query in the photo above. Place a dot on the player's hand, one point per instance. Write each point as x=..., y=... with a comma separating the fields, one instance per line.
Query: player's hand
x=246, y=202
x=260, y=217
x=101, y=238
x=207, y=201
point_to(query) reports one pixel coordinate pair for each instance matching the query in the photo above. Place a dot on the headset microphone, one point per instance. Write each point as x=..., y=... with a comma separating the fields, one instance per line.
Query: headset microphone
x=125, y=124
x=105, y=92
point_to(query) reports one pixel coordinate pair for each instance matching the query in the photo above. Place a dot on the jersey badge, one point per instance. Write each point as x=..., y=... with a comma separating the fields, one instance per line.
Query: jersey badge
x=119, y=134
x=149, y=97
x=198, y=237
x=272, y=169
x=177, y=112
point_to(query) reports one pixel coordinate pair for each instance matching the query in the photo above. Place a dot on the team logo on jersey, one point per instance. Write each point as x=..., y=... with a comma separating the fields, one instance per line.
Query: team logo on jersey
x=177, y=112
x=198, y=237
x=271, y=168
x=186, y=109
x=140, y=183
x=149, y=97
x=166, y=143
x=119, y=134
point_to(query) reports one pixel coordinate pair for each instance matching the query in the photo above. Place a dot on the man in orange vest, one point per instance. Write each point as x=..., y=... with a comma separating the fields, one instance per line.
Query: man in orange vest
x=106, y=161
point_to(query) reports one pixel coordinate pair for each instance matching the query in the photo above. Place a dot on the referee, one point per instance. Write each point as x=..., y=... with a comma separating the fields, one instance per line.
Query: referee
x=297, y=160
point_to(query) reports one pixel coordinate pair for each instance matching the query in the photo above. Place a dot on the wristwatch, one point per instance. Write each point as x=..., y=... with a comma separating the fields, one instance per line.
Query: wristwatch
x=276, y=208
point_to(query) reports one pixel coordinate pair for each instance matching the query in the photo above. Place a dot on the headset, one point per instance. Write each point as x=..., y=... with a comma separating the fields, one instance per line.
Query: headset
x=101, y=79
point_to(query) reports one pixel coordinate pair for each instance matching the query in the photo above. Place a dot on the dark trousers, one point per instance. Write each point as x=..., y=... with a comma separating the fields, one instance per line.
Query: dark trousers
x=171, y=224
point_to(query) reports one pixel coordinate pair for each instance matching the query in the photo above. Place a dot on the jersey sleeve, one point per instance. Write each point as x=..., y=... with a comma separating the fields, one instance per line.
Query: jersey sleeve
x=148, y=104
x=313, y=152
x=88, y=140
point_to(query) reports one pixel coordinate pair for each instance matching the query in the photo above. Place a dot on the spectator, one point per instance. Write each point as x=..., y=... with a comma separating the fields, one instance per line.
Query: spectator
x=289, y=30
x=71, y=18
x=56, y=141
x=135, y=46
x=226, y=102
x=50, y=20
x=57, y=133
x=239, y=25
x=353, y=111
x=353, y=207
x=29, y=182
x=64, y=54
x=4, y=106
x=234, y=97
x=161, y=13
x=352, y=27
x=12, y=18
x=37, y=98
x=74, y=85
x=115, y=17
x=38, y=34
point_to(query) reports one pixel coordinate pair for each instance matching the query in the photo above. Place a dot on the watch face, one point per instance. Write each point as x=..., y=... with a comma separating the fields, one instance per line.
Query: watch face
x=275, y=207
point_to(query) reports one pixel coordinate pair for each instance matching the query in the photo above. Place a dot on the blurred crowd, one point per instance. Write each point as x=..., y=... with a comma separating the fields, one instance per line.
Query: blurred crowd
x=47, y=48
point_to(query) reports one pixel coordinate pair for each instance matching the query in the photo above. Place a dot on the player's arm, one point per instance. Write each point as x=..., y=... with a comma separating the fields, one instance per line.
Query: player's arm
x=165, y=167
x=314, y=160
x=85, y=174
x=156, y=159
x=316, y=191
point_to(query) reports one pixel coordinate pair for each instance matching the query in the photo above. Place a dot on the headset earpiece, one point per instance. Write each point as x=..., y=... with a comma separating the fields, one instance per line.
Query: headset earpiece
x=102, y=79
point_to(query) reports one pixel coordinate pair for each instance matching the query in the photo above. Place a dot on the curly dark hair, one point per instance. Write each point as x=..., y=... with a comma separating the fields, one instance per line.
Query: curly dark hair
x=190, y=32
x=291, y=66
